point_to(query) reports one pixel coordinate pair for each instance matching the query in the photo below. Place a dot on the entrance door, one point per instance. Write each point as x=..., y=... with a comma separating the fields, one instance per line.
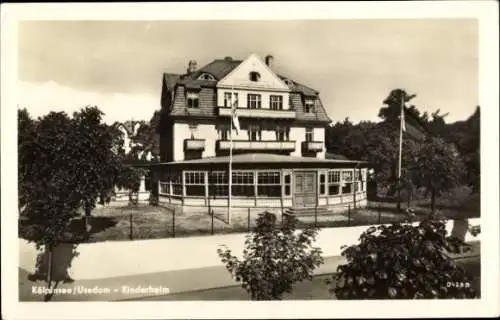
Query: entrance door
x=305, y=189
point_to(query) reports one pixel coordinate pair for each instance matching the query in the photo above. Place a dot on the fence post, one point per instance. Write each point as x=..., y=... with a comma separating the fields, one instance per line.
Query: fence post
x=248, y=219
x=212, y=227
x=316, y=216
x=131, y=227
x=349, y=215
x=173, y=224
x=379, y=214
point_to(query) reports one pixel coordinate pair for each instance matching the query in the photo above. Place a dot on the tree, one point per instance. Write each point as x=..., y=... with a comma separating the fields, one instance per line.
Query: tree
x=273, y=259
x=98, y=165
x=401, y=261
x=48, y=193
x=130, y=179
x=438, y=168
x=64, y=164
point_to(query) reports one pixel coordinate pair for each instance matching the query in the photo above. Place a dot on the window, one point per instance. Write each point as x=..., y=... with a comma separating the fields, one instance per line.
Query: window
x=254, y=76
x=164, y=188
x=243, y=184
x=322, y=184
x=276, y=102
x=309, y=134
x=193, y=128
x=218, y=184
x=223, y=133
x=347, y=181
x=195, y=183
x=176, y=179
x=334, y=183
x=269, y=184
x=288, y=182
x=254, y=133
x=206, y=76
x=192, y=100
x=254, y=101
x=227, y=99
x=282, y=134
x=309, y=105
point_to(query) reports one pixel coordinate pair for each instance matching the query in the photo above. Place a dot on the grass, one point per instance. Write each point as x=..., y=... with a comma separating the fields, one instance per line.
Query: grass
x=154, y=222
x=317, y=289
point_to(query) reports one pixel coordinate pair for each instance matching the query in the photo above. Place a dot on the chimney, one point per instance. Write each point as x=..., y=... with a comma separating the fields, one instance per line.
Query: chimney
x=269, y=60
x=192, y=66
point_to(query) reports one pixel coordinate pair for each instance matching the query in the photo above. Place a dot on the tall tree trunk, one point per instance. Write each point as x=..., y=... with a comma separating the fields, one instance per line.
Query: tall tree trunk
x=460, y=229
x=49, y=265
x=398, y=206
x=86, y=220
x=433, y=201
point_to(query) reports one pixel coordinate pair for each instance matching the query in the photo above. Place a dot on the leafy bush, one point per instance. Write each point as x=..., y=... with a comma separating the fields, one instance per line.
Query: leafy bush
x=274, y=259
x=402, y=261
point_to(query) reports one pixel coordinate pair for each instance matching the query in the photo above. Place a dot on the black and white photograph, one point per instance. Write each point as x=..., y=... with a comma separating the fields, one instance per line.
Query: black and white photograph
x=256, y=159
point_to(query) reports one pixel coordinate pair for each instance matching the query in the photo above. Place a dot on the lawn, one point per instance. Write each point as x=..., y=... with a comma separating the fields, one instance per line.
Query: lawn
x=317, y=289
x=153, y=222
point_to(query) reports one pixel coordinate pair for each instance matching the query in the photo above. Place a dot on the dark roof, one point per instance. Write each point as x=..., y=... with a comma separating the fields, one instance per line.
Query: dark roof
x=334, y=156
x=261, y=158
x=219, y=69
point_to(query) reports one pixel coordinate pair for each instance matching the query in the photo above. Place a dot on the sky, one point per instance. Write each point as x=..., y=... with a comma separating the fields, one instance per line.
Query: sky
x=354, y=64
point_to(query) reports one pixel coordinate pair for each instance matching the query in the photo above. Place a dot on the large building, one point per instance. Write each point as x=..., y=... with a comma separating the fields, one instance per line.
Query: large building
x=278, y=155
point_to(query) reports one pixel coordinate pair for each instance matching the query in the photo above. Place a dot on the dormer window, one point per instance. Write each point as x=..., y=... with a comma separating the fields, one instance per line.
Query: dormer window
x=254, y=76
x=309, y=105
x=192, y=99
x=206, y=76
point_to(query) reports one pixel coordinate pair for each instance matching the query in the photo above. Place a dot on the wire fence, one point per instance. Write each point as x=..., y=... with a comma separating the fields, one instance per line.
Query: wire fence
x=154, y=222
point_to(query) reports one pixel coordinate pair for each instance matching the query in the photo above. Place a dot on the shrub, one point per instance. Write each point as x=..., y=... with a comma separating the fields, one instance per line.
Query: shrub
x=274, y=259
x=402, y=261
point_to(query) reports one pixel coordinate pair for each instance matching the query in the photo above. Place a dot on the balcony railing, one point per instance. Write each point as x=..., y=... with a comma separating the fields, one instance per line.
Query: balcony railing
x=257, y=145
x=312, y=146
x=194, y=144
x=258, y=113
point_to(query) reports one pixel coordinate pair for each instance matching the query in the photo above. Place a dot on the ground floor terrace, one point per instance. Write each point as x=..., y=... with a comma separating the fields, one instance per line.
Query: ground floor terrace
x=261, y=181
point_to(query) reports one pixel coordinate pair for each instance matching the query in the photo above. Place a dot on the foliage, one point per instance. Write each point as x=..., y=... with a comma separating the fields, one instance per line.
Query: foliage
x=47, y=191
x=273, y=259
x=438, y=167
x=401, y=261
x=64, y=163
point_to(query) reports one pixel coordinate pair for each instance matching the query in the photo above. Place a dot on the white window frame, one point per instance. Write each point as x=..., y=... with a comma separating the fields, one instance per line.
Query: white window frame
x=309, y=133
x=192, y=96
x=309, y=105
x=276, y=102
x=254, y=101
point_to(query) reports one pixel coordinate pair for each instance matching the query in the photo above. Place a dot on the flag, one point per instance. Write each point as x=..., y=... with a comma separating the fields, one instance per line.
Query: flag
x=234, y=113
x=412, y=126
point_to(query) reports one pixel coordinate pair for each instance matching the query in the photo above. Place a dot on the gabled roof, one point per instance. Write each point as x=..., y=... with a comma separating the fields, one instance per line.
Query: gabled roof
x=219, y=68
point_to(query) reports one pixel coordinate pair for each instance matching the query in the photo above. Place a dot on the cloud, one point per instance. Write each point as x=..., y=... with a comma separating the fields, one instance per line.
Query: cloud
x=41, y=98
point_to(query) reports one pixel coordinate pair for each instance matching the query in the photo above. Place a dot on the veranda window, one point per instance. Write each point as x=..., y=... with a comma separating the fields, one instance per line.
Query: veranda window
x=334, y=183
x=269, y=184
x=164, y=188
x=347, y=179
x=176, y=179
x=218, y=184
x=243, y=184
x=195, y=183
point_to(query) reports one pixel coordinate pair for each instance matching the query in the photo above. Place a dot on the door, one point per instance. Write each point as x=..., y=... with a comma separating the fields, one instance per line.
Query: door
x=305, y=189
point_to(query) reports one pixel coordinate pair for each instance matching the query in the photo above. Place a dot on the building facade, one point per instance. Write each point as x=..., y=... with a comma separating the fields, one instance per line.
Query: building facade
x=278, y=155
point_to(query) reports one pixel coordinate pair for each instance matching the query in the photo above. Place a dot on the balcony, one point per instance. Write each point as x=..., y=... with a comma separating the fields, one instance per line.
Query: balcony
x=194, y=144
x=312, y=146
x=258, y=113
x=272, y=145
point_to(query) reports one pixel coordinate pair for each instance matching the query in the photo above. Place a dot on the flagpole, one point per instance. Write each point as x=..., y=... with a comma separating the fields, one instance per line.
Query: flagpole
x=230, y=160
x=401, y=119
